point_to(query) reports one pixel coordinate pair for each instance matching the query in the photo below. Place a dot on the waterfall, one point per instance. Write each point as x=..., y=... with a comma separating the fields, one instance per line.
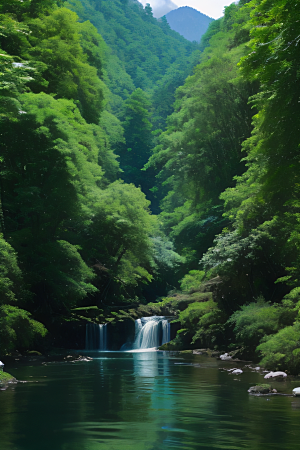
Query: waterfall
x=166, y=331
x=96, y=337
x=151, y=332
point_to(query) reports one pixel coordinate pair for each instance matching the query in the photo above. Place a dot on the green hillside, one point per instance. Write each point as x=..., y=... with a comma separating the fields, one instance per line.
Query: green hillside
x=142, y=49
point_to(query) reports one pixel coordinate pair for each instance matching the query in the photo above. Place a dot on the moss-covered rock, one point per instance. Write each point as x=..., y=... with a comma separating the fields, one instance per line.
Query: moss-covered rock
x=5, y=379
x=260, y=389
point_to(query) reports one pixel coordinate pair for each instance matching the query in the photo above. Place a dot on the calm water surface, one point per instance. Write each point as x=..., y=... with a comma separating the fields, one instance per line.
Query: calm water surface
x=144, y=401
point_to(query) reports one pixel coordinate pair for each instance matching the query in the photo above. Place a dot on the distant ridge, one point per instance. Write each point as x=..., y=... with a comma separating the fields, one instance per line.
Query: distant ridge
x=188, y=22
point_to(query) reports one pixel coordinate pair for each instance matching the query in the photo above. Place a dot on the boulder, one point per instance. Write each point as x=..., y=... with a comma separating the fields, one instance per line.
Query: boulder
x=237, y=372
x=1, y=366
x=225, y=357
x=260, y=389
x=278, y=376
x=296, y=392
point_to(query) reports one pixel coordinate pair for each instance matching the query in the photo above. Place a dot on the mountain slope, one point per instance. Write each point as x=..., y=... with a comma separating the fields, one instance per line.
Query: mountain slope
x=188, y=22
x=147, y=47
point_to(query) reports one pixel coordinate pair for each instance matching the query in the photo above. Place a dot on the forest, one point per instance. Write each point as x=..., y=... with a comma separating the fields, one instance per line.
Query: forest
x=139, y=170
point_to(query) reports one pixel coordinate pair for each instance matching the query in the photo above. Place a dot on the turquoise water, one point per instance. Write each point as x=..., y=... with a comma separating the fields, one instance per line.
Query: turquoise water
x=144, y=401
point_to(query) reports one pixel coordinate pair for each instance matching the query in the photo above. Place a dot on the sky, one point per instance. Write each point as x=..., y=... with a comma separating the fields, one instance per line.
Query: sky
x=212, y=8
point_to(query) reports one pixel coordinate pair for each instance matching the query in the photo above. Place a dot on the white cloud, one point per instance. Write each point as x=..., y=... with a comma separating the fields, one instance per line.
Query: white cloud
x=212, y=8
x=160, y=7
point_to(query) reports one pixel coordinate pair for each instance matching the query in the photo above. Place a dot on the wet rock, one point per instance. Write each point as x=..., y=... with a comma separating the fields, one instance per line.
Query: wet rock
x=82, y=358
x=296, y=392
x=260, y=389
x=237, y=372
x=278, y=376
x=225, y=357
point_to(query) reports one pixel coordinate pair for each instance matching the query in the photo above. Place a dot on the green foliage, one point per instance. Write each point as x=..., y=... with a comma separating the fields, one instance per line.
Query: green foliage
x=282, y=350
x=194, y=312
x=200, y=151
x=74, y=235
x=5, y=378
x=10, y=274
x=56, y=41
x=257, y=320
x=121, y=228
x=137, y=133
x=192, y=280
x=142, y=43
x=63, y=274
x=164, y=254
x=17, y=329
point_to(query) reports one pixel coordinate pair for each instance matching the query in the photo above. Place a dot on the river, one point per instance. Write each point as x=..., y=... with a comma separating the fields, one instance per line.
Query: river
x=144, y=401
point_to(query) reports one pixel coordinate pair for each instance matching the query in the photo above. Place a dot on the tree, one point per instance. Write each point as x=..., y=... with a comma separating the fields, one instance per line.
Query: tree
x=137, y=133
x=56, y=42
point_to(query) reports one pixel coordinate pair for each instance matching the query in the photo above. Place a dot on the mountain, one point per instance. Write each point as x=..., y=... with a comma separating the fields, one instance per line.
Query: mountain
x=188, y=22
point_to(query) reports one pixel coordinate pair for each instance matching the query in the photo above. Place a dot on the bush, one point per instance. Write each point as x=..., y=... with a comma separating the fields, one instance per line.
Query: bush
x=211, y=329
x=192, y=280
x=258, y=319
x=17, y=329
x=282, y=350
x=192, y=314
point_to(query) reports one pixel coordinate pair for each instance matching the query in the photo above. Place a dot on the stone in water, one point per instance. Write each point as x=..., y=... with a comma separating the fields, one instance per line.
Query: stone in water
x=237, y=372
x=296, y=392
x=276, y=375
x=225, y=357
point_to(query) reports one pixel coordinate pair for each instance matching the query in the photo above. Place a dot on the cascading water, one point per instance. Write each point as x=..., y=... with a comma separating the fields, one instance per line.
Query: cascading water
x=96, y=337
x=166, y=332
x=151, y=332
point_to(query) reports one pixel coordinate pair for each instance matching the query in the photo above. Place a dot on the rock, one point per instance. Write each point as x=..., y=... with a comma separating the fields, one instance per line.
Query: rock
x=274, y=391
x=237, y=372
x=1, y=366
x=260, y=389
x=225, y=357
x=296, y=392
x=275, y=376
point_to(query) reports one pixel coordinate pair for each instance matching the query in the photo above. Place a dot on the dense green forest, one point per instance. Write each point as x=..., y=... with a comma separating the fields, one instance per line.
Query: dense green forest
x=135, y=163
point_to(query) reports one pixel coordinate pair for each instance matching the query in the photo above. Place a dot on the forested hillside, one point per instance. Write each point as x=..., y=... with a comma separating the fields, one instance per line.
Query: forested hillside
x=228, y=165
x=142, y=51
x=90, y=135
x=72, y=232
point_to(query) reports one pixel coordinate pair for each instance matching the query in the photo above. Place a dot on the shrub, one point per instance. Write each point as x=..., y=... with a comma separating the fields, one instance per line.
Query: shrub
x=258, y=319
x=282, y=350
x=192, y=280
x=17, y=329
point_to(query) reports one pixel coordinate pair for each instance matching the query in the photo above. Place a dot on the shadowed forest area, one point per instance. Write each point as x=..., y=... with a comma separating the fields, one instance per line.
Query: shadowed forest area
x=143, y=172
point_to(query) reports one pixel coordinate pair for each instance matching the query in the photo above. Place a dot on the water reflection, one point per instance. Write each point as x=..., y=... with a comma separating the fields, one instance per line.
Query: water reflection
x=143, y=401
